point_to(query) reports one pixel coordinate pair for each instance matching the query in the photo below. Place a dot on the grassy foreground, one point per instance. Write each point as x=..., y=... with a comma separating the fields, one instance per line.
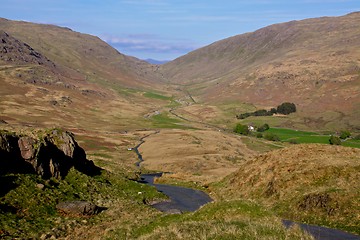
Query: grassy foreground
x=29, y=212
x=28, y=204
x=219, y=220
x=310, y=183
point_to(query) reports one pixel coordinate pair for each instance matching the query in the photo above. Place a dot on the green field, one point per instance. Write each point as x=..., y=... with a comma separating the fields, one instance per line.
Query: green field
x=156, y=96
x=163, y=120
x=287, y=135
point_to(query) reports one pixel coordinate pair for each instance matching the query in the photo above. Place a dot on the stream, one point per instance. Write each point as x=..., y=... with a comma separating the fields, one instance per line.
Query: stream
x=183, y=199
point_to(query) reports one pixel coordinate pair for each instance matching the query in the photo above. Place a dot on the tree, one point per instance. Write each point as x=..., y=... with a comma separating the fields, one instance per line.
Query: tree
x=273, y=111
x=263, y=128
x=242, y=129
x=286, y=108
x=261, y=112
x=243, y=115
x=345, y=134
x=334, y=140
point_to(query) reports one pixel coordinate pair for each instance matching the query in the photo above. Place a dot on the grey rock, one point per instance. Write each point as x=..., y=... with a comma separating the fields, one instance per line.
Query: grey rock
x=79, y=208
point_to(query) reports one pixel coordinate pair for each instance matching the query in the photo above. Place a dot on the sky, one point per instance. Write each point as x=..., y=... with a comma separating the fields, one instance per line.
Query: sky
x=167, y=29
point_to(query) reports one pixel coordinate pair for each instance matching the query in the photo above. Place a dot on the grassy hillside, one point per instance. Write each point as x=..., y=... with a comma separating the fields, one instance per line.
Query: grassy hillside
x=316, y=184
x=313, y=63
x=53, y=76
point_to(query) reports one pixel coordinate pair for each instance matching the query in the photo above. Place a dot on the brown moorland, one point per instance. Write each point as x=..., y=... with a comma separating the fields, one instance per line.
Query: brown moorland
x=202, y=156
x=309, y=182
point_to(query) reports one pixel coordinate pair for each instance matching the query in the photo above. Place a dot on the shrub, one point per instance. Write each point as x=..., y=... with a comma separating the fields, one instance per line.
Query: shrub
x=261, y=112
x=243, y=115
x=263, y=128
x=259, y=135
x=272, y=137
x=357, y=137
x=242, y=129
x=334, y=140
x=345, y=134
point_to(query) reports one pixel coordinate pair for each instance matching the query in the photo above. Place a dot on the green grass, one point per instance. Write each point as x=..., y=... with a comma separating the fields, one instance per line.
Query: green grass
x=27, y=211
x=220, y=220
x=287, y=135
x=259, y=145
x=173, y=104
x=299, y=136
x=157, y=96
x=164, y=121
x=351, y=143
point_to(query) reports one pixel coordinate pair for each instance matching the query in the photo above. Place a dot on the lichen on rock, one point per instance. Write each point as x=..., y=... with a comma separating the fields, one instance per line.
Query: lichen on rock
x=51, y=154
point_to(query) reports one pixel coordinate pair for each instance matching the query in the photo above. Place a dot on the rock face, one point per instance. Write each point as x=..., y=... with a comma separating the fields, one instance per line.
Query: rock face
x=78, y=208
x=16, y=52
x=51, y=155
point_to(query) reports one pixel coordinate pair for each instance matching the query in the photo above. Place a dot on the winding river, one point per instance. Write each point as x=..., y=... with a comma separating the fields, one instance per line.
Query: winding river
x=183, y=199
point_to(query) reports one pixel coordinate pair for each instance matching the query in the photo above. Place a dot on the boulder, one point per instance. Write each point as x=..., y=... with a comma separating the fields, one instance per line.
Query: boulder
x=51, y=155
x=78, y=208
x=26, y=146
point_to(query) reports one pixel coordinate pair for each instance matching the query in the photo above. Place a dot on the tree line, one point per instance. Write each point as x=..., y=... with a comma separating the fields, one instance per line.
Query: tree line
x=285, y=108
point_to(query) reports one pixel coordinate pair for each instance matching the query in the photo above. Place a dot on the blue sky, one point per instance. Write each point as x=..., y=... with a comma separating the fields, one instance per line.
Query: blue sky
x=166, y=29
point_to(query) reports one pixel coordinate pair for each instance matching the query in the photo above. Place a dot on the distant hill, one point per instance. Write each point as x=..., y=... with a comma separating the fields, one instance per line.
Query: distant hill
x=314, y=63
x=83, y=53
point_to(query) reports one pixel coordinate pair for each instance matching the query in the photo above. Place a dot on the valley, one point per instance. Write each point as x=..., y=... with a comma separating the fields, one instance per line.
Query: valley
x=183, y=113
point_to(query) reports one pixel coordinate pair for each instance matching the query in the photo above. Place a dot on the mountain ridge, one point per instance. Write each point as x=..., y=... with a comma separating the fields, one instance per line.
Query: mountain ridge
x=314, y=63
x=80, y=52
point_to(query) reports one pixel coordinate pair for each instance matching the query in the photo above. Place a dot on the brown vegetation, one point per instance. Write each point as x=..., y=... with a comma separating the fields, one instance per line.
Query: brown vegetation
x=315, y=183
x=313, y=63
x=194, y=155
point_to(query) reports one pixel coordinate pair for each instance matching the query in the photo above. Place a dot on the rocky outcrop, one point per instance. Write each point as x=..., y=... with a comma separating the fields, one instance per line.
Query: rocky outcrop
x=79, y=208
x=16, y=52
x=10, y=155
x=52, y=154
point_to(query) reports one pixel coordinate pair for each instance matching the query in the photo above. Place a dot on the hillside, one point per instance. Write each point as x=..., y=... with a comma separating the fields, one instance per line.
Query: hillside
x=53, y=76
x=79, y=52
x=310, y=183
x=314, y=63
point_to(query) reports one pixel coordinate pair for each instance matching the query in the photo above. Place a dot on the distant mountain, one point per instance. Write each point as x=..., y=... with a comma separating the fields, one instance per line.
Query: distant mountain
x=157, y=62
x=314, y=63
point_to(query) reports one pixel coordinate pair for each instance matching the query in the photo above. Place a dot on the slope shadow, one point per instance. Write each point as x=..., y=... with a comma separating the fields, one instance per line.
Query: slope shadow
x=7, y=184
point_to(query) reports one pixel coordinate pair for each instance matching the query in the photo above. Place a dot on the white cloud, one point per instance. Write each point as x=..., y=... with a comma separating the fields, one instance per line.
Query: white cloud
x=148, y=43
